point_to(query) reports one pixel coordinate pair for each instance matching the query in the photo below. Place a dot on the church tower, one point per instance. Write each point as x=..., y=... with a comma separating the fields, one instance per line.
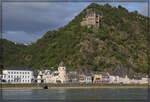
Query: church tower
x=62, y=72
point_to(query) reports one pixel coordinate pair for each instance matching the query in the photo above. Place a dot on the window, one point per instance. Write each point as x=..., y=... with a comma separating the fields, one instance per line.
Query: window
x=17, y=72
x=23, y=73
x=28, y=73
x=14, y=72
x=11, y=72
x=20, y=72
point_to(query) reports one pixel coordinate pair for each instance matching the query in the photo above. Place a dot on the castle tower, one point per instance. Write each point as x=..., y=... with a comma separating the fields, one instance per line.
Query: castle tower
x=92, y=19
x=62, y=72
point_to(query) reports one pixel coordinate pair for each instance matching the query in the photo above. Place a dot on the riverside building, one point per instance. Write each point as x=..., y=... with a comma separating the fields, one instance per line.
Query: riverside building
x=17, y=75
x=59, y=76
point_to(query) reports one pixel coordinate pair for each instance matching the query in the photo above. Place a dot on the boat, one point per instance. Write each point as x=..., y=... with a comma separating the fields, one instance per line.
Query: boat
x=45, y=87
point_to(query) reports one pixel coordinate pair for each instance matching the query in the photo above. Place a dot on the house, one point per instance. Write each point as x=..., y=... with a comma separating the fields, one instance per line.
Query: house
x=101, y=77
x=82, y=77
x=97, y=77
x=135, y=81
x=39, y=77
x=72, y=77
x=46, y=74
x=144, y=80
x=0, y=78
x=114, y=79
x=126, y=80
x=88, y=79
x=16, y=75
x=105, y=77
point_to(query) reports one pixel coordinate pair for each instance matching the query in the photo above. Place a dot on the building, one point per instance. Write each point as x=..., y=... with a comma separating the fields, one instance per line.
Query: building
x=101, y=77
x=72, y=77
x=135, y=81
x=46, y=74
x=60, y=76
x=92, y=19
x=144, y=80
x=39, y=78
x=16, y=75
x=97, y=78
x=82, y=78
x=125, y=80
x=105, y=77
x=88, y=79
x=0, y=78
x=114, y=79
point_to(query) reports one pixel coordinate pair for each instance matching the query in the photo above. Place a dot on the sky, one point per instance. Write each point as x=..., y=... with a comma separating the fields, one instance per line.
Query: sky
x=25, y=22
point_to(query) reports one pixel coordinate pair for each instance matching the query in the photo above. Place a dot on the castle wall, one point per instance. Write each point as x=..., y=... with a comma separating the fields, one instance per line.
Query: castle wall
x=92, y=19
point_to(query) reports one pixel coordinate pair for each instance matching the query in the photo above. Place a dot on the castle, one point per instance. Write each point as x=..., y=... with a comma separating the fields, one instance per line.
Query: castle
x=92, y=19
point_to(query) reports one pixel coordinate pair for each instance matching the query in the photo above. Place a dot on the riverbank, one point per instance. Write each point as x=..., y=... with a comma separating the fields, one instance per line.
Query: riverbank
x=67, y=86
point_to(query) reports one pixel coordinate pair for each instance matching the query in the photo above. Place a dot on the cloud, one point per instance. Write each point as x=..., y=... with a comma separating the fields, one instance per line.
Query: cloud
x=26, y=22
x=20, y=36
x=144, y=9
x=33, y=18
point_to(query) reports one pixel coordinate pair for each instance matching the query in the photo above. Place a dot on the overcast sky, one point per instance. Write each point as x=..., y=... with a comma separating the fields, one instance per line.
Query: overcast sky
x=27, y=22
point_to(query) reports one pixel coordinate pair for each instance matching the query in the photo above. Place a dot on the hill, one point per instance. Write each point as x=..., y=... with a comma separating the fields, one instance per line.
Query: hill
x=9, y=50
x=119, y=45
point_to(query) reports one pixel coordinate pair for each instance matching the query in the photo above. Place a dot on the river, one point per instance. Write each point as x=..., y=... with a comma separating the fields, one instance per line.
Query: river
x=76, y=94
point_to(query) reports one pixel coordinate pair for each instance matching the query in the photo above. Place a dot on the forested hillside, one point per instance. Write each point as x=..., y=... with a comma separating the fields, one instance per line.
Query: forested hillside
x=119, y=45
x=9, y=51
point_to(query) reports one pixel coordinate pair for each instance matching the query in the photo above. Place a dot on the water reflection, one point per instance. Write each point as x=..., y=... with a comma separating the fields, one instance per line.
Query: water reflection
x=75, y=94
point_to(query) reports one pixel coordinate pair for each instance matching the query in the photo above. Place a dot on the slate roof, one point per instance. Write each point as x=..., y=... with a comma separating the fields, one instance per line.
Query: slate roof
x=45, y=68
x=102, y=73
x=19, y=68
x=61, y=64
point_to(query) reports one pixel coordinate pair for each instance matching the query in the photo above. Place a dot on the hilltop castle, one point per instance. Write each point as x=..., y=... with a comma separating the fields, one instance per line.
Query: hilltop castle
x=92, y=19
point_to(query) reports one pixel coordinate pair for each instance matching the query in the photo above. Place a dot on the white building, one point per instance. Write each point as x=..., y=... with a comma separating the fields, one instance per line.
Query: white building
x=135, y=81
x=88, y=79
x=125, y=80
x=114, y=79
x=0, y=78
x=16, y=75
x=45, y=75
x=39, y=77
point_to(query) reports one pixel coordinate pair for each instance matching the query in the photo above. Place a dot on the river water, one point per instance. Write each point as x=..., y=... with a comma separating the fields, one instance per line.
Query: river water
x=76, y=94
